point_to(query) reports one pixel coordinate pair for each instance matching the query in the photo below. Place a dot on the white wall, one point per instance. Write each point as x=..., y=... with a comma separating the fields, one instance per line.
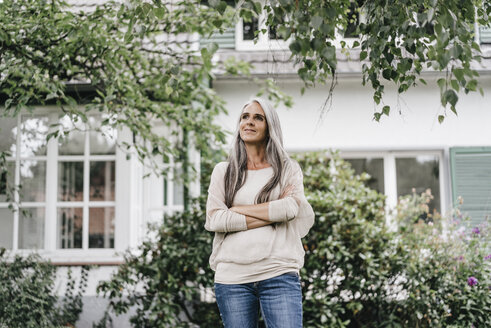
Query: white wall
x=349, y=124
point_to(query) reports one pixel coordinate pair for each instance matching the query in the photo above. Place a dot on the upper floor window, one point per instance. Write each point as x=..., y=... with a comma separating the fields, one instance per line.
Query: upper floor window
x=249, y=35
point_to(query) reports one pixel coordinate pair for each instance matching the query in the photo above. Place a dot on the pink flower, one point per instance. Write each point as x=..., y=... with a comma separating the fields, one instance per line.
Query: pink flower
x=476, y=230
x=472, y=281
x=487, y=257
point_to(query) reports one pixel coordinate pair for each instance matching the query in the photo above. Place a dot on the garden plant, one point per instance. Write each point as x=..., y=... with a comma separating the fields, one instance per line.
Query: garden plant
x=428, y=271
x=28, y=297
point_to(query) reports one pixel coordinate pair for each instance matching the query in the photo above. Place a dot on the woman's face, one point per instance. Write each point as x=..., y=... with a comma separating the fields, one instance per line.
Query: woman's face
x=253, y=127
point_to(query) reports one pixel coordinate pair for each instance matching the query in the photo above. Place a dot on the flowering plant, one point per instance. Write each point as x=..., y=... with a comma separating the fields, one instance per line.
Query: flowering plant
x=448, y=277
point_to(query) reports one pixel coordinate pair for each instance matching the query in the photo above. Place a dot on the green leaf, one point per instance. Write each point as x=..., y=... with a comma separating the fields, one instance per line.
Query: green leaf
x=386, y=110
x=257, y=7
x=441, y=118
x=168, y=89
x=295, y=46
x=455, y=85
x=214, y=3
x=159, y=12
x=316, y=21
x=472, y=85
x=329, y=54
x=450, y=97
x=222, y=6
x=363, y=55
x=387, y=73
x=459, y=73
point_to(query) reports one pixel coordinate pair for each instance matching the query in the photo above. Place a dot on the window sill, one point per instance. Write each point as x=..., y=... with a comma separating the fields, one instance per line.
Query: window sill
x=76, y=257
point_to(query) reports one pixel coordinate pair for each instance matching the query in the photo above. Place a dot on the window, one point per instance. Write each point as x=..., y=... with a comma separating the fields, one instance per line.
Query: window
x=173, y=192
x=419, y=173
x=348, y=35
x=245, y=33
x=374, y=167
x=354, y=20
x=65, y=188
x=24, y=138
x=485, y=34
x=86, y=188
x=163, y=194
x=396, y=174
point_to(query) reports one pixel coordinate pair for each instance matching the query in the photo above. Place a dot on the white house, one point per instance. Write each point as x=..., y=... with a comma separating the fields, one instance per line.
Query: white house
x=88, y=201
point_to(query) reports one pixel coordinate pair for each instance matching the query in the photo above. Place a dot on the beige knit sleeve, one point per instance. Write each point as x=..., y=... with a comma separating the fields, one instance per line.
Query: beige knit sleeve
x=286, y=209
x=294, y=208
x=218, y=217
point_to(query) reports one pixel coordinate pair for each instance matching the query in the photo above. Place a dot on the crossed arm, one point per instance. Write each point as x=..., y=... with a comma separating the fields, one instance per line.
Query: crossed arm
x=257, y=215
x=220, y=218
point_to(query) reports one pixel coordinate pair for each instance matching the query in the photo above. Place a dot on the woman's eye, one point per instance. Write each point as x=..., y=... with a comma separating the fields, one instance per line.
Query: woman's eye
x=245, y=116
x=259, y=118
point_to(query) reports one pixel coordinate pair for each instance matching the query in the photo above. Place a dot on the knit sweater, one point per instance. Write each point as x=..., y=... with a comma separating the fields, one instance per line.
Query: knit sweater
x=240, y=255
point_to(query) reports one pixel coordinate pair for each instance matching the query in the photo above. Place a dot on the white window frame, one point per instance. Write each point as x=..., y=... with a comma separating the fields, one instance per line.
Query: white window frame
x=124, y=234
x=265, y=43
x=390, y=176
x=155, y=209
x=263, y=40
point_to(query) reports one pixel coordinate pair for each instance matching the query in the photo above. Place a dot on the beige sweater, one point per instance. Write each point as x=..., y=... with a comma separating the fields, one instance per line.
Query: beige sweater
x=240, y=255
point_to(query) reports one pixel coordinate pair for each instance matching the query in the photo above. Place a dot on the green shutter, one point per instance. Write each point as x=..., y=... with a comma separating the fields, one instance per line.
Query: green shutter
x=226, y=40
x=485, y=34
x=471, y=179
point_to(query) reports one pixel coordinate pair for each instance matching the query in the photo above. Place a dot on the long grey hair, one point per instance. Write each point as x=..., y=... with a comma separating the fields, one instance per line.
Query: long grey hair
x=236, y=173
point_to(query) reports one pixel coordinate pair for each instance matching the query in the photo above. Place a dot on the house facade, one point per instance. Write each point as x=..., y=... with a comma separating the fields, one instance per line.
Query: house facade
x=85, y=201
x=407, y=150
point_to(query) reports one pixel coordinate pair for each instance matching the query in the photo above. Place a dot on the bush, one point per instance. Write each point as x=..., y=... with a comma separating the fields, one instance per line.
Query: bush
x=352, y=260
x=449, y=271
x=162, y=282
x=357, y=273
x=27, y=295
x=164, y=279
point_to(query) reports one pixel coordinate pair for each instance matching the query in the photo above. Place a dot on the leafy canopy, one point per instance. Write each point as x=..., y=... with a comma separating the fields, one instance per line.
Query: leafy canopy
x=142, y=64
x=139, y=60
x=397, y=41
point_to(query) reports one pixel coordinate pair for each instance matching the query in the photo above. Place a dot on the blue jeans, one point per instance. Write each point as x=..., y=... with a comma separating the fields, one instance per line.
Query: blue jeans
x=279, y=298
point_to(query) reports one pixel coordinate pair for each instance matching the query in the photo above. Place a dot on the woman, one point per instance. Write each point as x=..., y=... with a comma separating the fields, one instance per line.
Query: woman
x=257, y=208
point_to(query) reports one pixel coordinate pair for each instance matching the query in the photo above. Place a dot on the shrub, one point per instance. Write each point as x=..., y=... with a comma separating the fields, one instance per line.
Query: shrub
x=163, y=280
x=352, y=259
x=449, y=271
x=27, y=294
x=357, y=272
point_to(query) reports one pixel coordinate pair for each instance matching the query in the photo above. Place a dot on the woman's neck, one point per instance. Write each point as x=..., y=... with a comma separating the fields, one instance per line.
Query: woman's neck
x=256, y=156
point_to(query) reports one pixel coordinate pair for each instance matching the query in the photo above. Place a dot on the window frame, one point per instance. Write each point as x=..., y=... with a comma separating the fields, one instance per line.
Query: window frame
x=390, y=176
x=124, y=168
x=263, y=40
x=265, y=43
